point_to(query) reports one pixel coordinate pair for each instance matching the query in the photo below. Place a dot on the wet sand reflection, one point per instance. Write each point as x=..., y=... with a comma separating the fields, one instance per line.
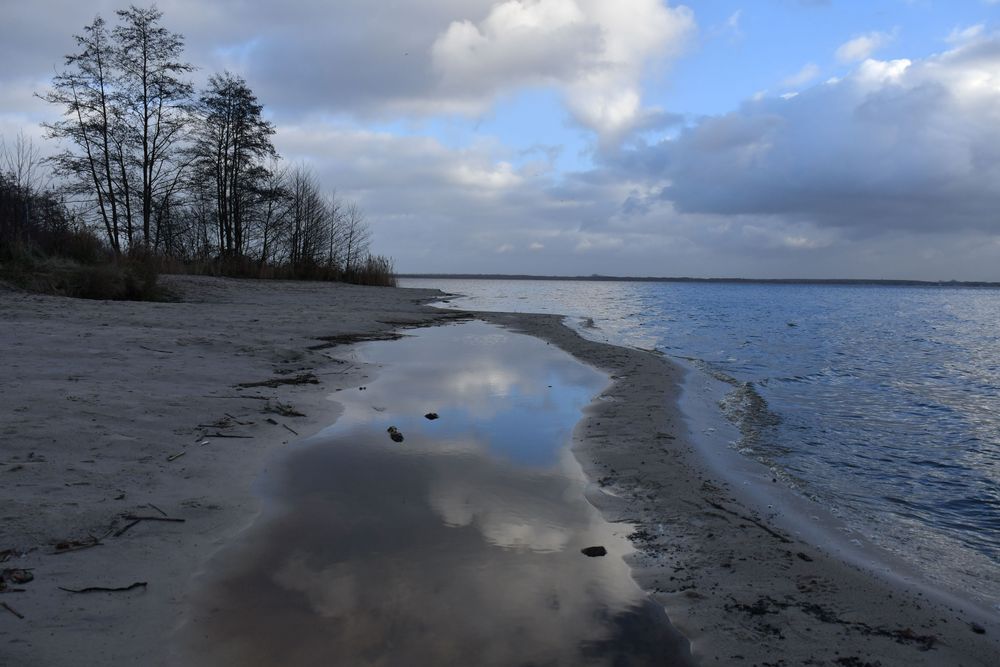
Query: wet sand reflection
x=456, y=547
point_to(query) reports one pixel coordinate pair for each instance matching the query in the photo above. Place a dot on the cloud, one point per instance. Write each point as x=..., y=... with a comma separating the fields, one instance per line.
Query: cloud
x=594, y=51
x=895, y=145
x=863, y=46
x=808, y=72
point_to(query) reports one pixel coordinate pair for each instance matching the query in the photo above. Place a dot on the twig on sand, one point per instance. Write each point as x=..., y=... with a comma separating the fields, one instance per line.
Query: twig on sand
x=12, y=610
x=290, y=429
x=174, y=457
x=133, y=520
x=153, y=349
x=156, y=508
x=226, y=435
x=304, y=378
x=256, y=398
x=237, y=421
x=133, y=517
x=75, y=545
x=103, y=589
x=121, y=531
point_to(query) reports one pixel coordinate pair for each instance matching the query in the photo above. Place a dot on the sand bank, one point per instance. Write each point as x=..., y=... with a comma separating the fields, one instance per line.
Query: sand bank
x=116, y=410
x=745, y=583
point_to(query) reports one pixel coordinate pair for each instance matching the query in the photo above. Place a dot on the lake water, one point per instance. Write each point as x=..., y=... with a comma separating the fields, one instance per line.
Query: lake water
x=460, y=544
x=882, y=403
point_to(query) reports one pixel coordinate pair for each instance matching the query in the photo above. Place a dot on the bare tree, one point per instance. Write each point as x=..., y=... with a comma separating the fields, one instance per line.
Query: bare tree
x=356, y=237
x=233, y=142
x=155, y=102
x=84, y=90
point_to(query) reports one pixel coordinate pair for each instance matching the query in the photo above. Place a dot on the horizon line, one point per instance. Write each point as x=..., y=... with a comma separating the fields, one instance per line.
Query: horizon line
x=595, y=277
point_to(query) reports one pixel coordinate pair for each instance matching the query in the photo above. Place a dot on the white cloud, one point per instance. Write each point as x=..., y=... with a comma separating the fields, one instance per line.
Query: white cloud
x=593, y=50
x=968, y=34
x=808, y=72
x=863, y=46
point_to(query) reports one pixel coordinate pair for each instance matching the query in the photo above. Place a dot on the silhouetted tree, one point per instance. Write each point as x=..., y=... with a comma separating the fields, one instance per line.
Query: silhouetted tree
x=155, y=101
x=233, y=143
x=91, y=126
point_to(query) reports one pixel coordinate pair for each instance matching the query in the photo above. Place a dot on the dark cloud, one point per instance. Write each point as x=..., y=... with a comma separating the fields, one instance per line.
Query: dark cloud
x=896, y=145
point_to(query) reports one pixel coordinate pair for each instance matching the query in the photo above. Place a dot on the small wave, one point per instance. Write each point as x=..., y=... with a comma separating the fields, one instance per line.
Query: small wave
x=747, y=409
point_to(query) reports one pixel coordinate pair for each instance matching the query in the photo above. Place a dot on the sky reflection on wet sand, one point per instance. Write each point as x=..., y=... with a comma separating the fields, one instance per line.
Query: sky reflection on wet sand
x=460, y=545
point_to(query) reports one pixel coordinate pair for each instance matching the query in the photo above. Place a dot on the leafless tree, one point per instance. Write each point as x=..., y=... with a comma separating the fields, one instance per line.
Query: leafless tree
x=90, y=127
x=155, y=100
x=233, y=142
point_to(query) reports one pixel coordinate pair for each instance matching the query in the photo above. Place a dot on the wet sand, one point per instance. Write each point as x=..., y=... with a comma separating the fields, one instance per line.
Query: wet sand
x=115, y=410
x=461, y=544
x=735, y=576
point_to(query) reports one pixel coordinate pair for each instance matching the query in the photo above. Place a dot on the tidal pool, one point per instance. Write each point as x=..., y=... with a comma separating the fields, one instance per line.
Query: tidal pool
x=460, y=545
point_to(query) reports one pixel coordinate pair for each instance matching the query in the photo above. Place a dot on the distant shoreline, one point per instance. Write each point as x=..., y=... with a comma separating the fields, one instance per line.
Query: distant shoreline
x=751, y=281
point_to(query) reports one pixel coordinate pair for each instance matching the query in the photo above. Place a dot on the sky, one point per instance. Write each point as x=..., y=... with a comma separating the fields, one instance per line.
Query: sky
x=710, y=138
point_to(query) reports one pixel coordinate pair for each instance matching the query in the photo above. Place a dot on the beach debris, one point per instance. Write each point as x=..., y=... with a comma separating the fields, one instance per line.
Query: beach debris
x=431, y=415
x=65, y=546
x=235, y=420
x=275, y=422
x=133, y=520
x=12, y=610
x=104, y=589
x=16, y=575
x=804, y=556
x=174, y=457
x=394, y=434
x=304, y=378
x=978, y=629
x=283, y=409
x=227, y=435
x=153, y=349
x=594, y=552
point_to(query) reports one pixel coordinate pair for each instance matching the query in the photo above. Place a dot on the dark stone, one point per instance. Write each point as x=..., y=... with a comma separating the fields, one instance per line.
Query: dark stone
x=807, y=558
x=978, y=629
x=394, y=434
x=431, y=415
x=594, y=552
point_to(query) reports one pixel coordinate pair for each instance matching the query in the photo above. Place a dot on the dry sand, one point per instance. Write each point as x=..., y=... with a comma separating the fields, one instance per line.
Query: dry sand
x=98, y=397
x=109, y=409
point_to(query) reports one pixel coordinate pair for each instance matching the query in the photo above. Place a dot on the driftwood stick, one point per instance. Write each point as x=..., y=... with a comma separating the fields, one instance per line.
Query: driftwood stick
x=237, y=421
x=122, y=530
x=79, y=546
x=103, y=589
x=290, y=429
x=256, y=398
x=133, y=517
x=153, y=349
x=12, y=610
x=226, y=435
x=156, y=508
x=174, y=457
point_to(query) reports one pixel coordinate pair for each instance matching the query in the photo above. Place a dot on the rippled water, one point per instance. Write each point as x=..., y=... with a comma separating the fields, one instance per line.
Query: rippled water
x=881, y=402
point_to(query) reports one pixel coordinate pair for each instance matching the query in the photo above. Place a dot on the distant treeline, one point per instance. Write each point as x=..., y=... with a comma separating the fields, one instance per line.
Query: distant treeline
x=154, y=171
x=754, y=281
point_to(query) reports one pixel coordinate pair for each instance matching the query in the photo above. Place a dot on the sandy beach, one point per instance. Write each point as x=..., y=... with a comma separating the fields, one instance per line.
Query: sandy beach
x=121, y=416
